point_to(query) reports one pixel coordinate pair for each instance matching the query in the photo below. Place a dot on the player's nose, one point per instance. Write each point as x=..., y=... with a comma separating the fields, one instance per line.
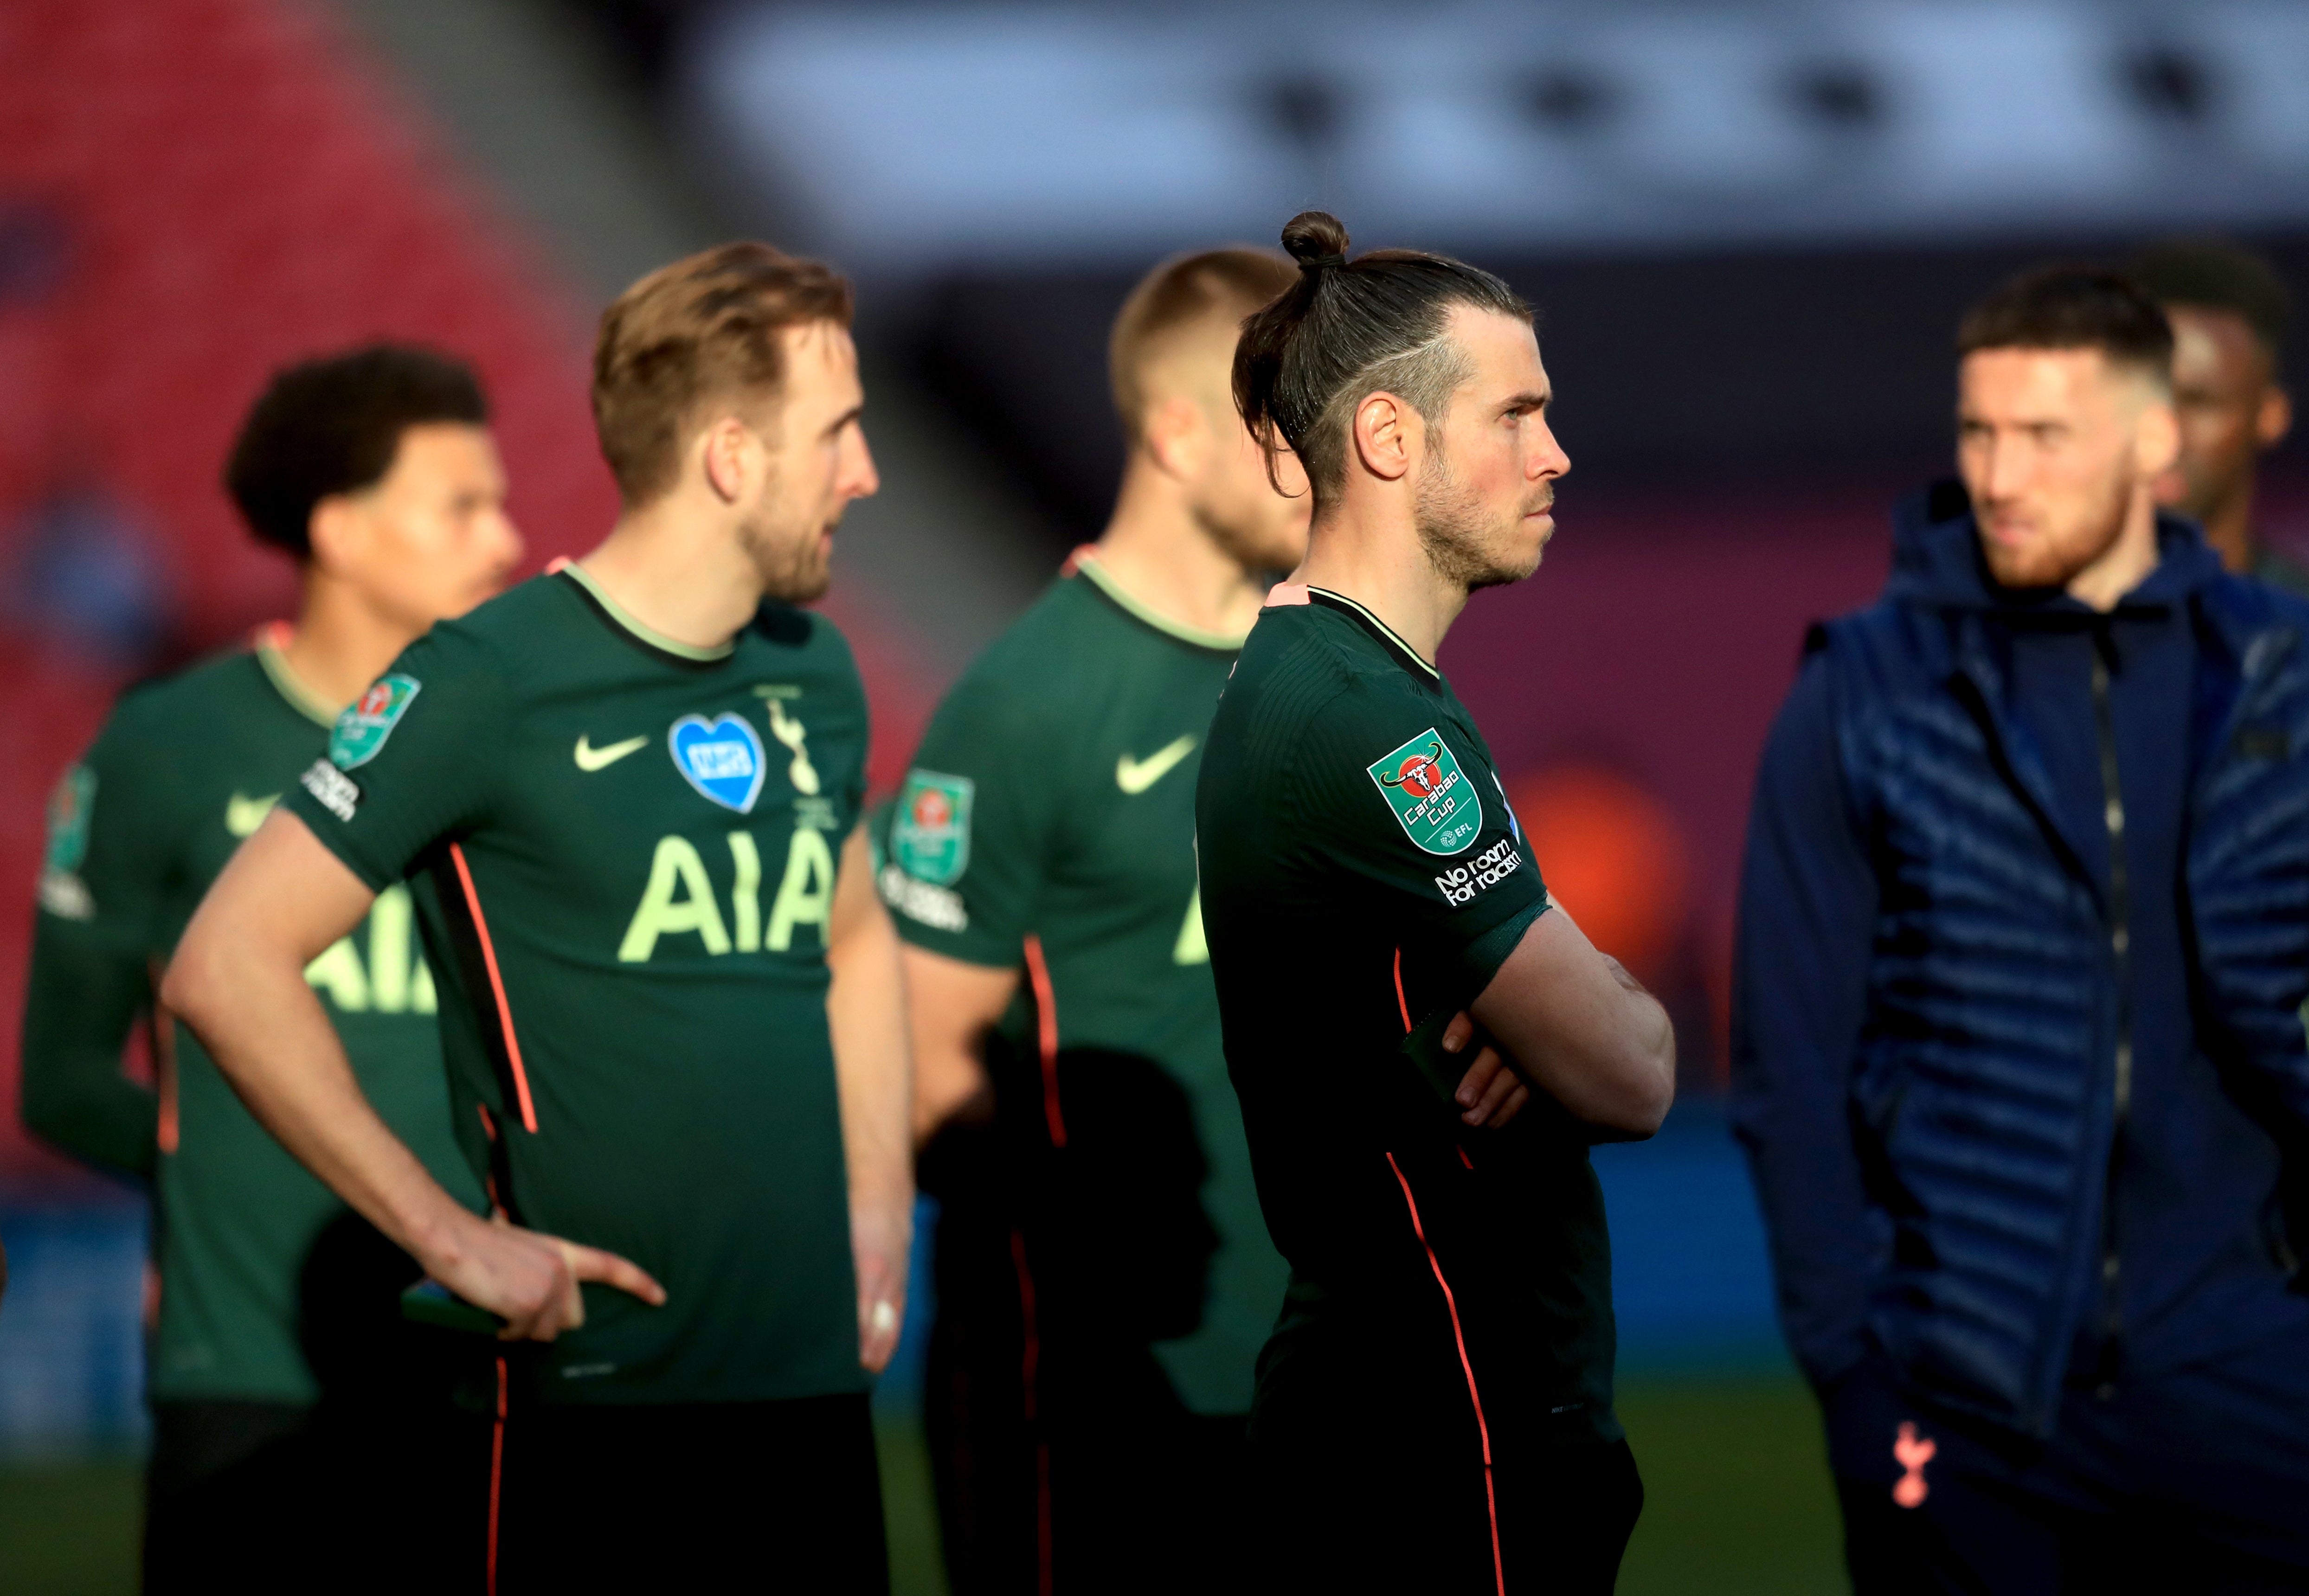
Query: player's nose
x=511, y=546
x=864, y=482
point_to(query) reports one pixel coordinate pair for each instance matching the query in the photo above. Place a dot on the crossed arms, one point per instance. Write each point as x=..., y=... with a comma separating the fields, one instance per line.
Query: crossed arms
x=1567, y=1018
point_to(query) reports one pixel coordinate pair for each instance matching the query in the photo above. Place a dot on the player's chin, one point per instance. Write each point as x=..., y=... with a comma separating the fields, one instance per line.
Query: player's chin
x=2022, y=565
x=808, y=588
x=1523, y=554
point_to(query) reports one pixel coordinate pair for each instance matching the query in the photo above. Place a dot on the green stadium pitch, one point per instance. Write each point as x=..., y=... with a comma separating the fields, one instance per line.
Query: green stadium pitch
x=1737, y=1501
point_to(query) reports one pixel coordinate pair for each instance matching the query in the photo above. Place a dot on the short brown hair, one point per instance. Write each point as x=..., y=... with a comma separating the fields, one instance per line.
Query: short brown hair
x=1181, y=293
x=2073, y=307
x=703, y=328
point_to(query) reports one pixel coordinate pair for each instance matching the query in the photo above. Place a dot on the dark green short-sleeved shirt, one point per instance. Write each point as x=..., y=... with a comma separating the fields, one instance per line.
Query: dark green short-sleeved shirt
x=1362, y=871
x=1052, y=797
x=183, y=769
x=635, y=846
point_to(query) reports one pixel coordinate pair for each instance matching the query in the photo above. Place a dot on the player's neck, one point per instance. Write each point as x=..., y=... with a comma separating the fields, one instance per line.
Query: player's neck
x=341, y=643
x=678, y=573
x=1373, y=556
x=2126, y=563
x=1155, y=550
x=2228, y=526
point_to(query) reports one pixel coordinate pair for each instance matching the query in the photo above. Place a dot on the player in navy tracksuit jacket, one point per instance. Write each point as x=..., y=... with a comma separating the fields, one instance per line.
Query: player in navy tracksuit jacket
x=2020, y=1066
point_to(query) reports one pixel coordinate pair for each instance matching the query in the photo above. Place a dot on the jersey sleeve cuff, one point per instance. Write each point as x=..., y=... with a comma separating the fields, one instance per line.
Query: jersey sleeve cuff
x=1481, y=959
x=330, y=833
x=937, y=920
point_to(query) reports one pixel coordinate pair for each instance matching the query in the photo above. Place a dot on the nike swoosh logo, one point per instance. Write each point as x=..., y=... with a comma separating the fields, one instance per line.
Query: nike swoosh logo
x=590, y=758
x=243, y=815
x=1135, y=776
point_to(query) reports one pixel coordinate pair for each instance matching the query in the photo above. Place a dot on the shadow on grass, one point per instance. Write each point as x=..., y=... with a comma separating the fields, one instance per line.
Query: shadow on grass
x=1736, y=1491
x=71, y=1529
x=1737, y=1498
x=1737, y=1501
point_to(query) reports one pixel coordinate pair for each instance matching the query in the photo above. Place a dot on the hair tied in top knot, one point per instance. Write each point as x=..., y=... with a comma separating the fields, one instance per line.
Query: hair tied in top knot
x=1315, y=239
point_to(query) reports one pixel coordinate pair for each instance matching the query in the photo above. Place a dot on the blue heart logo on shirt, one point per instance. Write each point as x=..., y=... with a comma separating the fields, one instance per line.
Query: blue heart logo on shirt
x=722, y=758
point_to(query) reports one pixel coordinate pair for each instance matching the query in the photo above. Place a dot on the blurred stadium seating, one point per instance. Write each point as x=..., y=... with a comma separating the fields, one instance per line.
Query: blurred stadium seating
x=192, y=193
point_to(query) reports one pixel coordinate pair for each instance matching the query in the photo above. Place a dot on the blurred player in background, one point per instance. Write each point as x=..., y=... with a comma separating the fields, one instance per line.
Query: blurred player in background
x=1099, y=1218
x=1434, y=1408
x=672, y=1024
x=2230, y=312
x=376, y=472
x=2017, y=1053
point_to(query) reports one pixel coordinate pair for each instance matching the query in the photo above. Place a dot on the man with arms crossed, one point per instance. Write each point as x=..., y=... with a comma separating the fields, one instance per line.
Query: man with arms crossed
x=1047, y=833
x=1434, y=1409
x=2230, y=312
x=672, y=1024
x=375, y=470
x=2017, y=1048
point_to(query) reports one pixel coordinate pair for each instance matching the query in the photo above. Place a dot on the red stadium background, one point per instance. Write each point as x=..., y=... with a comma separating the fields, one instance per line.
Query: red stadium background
x=194, y=193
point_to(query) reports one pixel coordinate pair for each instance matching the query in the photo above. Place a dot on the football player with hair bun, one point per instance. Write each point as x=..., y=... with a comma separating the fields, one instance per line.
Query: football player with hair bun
x=1425, y=1044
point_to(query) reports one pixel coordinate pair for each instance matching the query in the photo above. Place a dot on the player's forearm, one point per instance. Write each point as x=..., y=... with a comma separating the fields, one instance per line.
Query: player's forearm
x=1620, y=1083
x=1583, y=1029
x=866, y=1009
x=271, y=1039
x=948, y=1078
x=1637, y=1075
x=952, y=1005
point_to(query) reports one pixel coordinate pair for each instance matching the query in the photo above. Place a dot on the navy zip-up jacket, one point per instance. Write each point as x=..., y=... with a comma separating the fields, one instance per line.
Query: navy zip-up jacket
x=2018, y=1054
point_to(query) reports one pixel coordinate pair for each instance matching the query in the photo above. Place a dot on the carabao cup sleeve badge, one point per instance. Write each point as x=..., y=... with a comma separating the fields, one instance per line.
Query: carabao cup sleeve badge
x=930, y=834
x=1437, y=806
x=361, y=730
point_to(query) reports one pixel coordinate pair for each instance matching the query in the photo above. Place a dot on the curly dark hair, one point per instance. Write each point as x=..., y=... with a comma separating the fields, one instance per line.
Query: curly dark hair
x=332, y=425
x=2218, y=275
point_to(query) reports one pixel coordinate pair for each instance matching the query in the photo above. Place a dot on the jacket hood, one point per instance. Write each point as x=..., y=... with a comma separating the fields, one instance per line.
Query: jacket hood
x=1937, y=561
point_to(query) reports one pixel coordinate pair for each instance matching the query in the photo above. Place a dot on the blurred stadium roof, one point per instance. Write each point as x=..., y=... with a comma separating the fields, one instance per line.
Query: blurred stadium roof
x=919, y=135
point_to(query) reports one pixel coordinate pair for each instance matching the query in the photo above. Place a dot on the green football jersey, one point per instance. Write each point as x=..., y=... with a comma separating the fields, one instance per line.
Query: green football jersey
x=1362, y=875
x=1053, y=798
x=635, y=845
x=139, y=829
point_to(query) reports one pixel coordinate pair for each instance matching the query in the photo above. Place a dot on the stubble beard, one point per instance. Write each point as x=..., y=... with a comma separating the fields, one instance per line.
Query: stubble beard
x=1244, y=541
x=2049, y=564
x=794, y=567
x=1464, y=543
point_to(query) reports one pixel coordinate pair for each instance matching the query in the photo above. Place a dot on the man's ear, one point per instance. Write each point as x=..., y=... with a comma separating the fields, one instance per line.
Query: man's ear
x=335, y=533
x=2276, y=417
x=1384, y=431
x=1176, y=437
x=721, y=450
